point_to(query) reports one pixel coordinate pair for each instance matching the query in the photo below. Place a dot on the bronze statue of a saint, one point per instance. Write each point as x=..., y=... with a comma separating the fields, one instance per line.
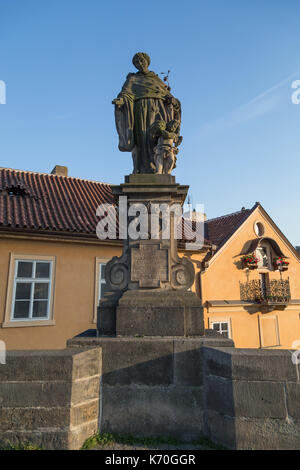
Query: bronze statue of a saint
x=144, y=99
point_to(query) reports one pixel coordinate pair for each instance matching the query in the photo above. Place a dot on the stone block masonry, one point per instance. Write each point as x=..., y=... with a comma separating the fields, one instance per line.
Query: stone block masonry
x=192, y=387
x=151, y=386
x=252, y=398
x=50, y=398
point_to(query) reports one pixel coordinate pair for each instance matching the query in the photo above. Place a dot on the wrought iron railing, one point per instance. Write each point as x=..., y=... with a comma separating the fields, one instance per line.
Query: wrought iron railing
x=273, y=291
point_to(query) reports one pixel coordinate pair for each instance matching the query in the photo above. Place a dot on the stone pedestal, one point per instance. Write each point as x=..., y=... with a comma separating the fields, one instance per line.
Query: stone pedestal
x=148, y=286
x=161, y=313
x=152, y=386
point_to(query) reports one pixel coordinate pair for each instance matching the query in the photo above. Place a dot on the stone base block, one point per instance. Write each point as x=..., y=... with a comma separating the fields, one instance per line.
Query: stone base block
x=153, y=411
x=106, y=313
x=50, y=398
x=159, y=313
x=152, y=386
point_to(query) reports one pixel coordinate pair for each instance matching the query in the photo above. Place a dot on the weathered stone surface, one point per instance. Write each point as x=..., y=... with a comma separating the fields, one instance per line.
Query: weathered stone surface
x=242, y=398
x=148, y=178
x=89, y=339
x=149, y=262
x=84, y=413
x=150, y=321
x=159, y=298
x=250, y=364
x=57, y=407
x=219, y=395
x=219, y=428
x=252, y=433
x=153, y=411
x=267, y=434
x=54, y=439
x=194, y=325
x=34, y=419
x=137, y=361
x=188, y=363
x=28, y=365
x=149, y=265
x=33, y=394
x=106, y=313
x=259, y=399
x=293, y=400
x=164, y=313
x=78, y=435
x=54, y=394
x=247, y=404
x=85, y=389
x=87, y=364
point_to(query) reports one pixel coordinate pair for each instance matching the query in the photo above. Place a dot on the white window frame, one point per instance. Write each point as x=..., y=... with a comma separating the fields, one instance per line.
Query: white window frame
x=32, y=280
x=98, y=281
x=9, y=320
x=227, y=320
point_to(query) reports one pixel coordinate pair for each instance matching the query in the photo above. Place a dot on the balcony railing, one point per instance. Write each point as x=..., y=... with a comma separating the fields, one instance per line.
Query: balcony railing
x=273, y=291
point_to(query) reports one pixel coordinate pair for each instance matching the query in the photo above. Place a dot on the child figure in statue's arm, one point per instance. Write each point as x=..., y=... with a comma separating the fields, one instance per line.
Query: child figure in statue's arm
x=166, y=149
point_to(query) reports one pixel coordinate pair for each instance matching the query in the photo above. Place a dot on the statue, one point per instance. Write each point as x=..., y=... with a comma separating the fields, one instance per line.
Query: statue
x=167, y=146
x=144, y=101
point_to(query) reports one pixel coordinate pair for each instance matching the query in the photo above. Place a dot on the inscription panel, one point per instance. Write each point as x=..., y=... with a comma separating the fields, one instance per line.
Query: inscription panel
x=149, y=265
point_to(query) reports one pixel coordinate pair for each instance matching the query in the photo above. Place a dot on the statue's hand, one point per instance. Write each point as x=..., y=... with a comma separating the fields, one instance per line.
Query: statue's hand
x=179, y=140
x=118, y=102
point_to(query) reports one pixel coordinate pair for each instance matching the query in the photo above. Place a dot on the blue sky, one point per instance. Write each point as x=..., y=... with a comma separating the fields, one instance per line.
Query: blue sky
x=232, y=66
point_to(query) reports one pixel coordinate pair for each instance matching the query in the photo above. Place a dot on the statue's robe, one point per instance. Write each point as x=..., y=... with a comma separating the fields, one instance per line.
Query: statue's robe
x=144, y=96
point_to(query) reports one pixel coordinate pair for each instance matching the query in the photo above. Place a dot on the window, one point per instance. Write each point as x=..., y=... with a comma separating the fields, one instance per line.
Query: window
x=221, y=327
x=259, y=229
x=100, y=284
x=264, y=285
x=30, y=291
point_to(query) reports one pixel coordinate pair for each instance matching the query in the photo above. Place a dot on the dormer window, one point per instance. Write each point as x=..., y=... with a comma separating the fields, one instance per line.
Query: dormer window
x=16, y=190
x=259, y=229
x=261, y=253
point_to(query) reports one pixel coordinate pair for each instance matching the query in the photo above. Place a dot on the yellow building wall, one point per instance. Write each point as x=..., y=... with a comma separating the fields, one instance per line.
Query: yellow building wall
x=74, y=291
x=221, y=282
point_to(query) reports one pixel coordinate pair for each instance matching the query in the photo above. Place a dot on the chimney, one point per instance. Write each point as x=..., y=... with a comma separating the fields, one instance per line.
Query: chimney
x=60, y=170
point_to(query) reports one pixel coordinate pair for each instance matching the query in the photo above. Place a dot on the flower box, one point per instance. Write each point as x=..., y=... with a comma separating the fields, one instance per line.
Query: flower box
x=281, y=264
x=249, y=261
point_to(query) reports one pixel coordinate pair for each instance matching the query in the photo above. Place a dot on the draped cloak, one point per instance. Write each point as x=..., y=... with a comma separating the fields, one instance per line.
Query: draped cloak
x=144, y=96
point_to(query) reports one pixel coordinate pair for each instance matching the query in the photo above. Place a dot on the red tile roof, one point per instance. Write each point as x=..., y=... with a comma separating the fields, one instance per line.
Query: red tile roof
x=50, y=203
x=220, y=229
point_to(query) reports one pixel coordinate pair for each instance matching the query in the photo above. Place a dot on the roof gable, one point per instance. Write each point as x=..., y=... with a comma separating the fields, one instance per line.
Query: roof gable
x=235, y=221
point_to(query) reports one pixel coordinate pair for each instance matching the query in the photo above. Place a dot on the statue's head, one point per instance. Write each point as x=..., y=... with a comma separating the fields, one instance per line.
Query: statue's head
x=160, y=125
x=141, y=61
x=172, y=126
